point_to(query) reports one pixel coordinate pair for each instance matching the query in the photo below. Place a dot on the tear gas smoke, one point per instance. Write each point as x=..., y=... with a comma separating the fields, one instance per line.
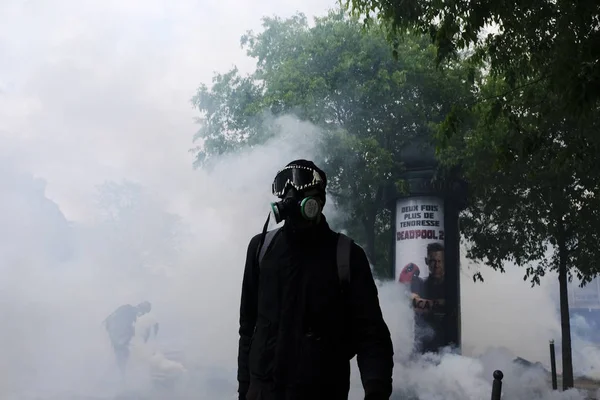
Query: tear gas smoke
x=100, y=207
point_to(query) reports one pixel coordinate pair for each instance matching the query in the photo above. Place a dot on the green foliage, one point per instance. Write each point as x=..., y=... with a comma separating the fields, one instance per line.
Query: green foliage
x=529, y=144
x=343, y=79
x=535, y=188
x=136, y=226
x=554, y=41
x=530, y=186
x=230, y=115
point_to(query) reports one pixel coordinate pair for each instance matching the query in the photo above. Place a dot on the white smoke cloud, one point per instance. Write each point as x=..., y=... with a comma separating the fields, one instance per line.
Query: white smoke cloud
x=120, y=258
x=98, y=92
x=502, y=319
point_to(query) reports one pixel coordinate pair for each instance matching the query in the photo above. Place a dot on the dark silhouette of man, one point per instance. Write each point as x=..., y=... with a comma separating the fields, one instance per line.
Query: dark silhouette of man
x=300, y=325
x=429, y=302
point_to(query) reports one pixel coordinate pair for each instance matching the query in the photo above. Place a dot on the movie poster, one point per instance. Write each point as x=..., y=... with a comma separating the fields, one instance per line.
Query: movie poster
x=420, y=265
x=584, y=297
x=584, y=306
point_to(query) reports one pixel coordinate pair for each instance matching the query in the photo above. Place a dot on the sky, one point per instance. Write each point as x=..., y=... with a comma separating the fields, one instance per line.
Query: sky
x=114, y=80
x=99, y=91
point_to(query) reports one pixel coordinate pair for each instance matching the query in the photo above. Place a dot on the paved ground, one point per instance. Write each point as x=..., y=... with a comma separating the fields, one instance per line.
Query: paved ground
x=590, y=385
x=213, y=384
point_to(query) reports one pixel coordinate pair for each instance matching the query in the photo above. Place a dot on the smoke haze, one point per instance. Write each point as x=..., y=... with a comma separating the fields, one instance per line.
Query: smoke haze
x=100, y=206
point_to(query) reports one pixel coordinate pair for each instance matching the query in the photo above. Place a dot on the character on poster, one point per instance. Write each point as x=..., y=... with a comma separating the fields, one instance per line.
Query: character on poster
x=420, y=237
x=429, y=301
x=409, y=272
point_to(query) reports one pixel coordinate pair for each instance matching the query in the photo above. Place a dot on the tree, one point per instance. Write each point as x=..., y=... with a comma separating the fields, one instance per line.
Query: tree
x=139, y=234
x=556, y=43
x=31, y=224
x=532, y=158
x=343, y=79
x=533, y=202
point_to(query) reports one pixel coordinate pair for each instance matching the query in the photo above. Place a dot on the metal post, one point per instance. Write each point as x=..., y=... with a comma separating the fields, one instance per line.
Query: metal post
x=553, y=366
x=497, y=385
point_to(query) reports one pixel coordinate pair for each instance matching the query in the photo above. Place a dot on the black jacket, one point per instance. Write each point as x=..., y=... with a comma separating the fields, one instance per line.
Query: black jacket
x=298, y=331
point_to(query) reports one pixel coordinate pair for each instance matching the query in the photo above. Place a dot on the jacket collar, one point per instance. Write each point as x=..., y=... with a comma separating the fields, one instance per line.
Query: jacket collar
x=312, y=233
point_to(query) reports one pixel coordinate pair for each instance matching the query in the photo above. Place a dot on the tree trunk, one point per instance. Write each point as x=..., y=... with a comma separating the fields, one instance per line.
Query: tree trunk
x=567, y=360
x=369, y=225
x=369, y=221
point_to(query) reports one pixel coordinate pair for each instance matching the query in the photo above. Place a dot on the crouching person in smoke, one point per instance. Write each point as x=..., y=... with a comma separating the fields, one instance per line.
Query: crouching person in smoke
x=120, y=326
x=309, y=304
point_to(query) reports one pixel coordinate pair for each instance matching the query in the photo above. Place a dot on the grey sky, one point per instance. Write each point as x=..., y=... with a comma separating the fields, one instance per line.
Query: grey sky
x=94, y=90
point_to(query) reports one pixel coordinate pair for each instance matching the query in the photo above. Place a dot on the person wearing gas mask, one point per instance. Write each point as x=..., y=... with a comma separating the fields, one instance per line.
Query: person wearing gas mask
x=309, y=304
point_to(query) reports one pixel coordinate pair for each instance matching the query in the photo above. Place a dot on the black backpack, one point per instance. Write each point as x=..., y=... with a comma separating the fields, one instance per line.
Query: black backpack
x=344, y=246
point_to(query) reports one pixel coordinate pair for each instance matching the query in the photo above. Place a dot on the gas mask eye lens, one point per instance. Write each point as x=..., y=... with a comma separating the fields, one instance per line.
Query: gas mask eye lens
x=300, y=178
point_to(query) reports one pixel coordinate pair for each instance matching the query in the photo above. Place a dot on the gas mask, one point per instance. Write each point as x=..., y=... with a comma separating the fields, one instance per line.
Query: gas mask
x=296, y=206
x=296, y=183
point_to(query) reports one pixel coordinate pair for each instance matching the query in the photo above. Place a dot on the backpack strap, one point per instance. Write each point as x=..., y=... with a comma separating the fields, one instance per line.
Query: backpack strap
x=262, y=250
x=344, y=246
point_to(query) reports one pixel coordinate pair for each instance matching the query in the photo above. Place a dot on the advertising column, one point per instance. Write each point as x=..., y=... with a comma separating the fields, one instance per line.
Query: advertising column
x=584, y=305
x=420, y=264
